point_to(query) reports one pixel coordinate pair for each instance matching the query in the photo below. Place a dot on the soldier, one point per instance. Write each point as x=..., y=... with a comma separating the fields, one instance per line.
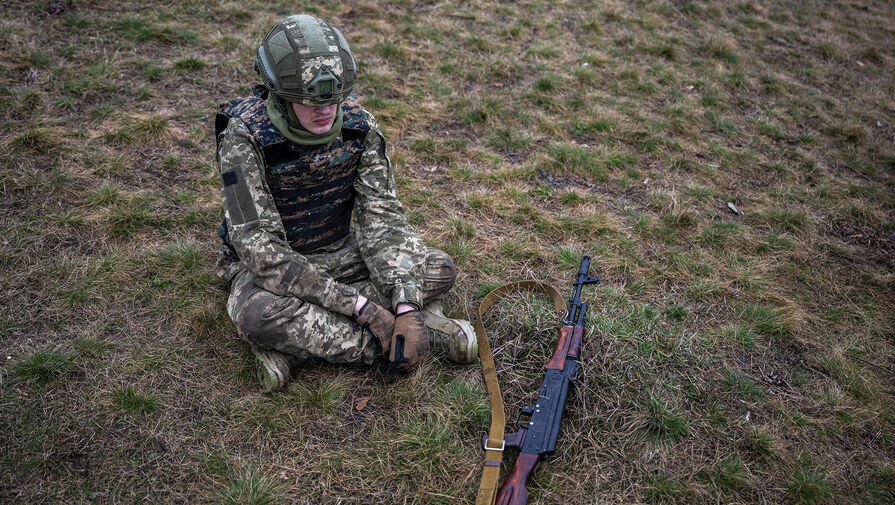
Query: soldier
x=322, y=262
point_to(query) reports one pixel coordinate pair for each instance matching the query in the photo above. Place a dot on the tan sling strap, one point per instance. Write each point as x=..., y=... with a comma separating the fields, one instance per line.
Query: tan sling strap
x=496, y=444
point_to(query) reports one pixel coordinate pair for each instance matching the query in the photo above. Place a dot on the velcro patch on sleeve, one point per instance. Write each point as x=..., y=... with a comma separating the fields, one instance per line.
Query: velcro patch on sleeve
x=229, y=178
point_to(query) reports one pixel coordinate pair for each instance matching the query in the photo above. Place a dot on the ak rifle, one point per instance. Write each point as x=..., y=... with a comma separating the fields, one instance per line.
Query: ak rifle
x=536, y=438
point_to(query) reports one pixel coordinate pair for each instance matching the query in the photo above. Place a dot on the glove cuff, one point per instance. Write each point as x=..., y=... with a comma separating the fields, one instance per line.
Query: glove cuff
x=360, y=312
x=411, y=311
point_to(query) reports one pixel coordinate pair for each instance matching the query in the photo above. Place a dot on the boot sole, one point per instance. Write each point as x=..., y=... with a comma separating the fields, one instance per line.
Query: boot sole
x=472, y=348
x=269, y=376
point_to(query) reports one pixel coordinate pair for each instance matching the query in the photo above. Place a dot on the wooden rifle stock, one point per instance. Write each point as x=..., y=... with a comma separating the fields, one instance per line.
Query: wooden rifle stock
x=514, y=491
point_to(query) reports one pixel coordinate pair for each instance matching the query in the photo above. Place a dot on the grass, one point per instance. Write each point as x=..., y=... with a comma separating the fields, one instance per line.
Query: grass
x=665, y=489
x=127, y=219
x=806, y=487
x=131, y=402
x=43, y=366
x=728, y=476
x=744, y=386
x=662, y=422
x=190, y=64
x=767, y=320
x=250, y=487
x=104, y=196
x=727, y=358
x=759, y=444
x=37, y=140
x=324, y=396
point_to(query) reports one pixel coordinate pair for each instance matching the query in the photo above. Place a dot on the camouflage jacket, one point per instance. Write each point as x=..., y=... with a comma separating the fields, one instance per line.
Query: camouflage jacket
x=391, y=248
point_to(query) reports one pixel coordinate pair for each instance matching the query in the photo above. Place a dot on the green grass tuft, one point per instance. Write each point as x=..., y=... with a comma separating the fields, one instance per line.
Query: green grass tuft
x=568, y=257
x=747, y=387
x=728, y=476
x=215, y=461
x=126, y=220
x=93, y=347
x=786, y=219
x=739, y=334
x=429, y=444
x=251, y=487
x=38, y=140
x=154, y=126
x=664, y=489
x=662, y=422
x=181, y=258
x=770, y=130
x=43, y=366
x=509, y=140
x=459, y=249
x=547, y=83
x=190, y=64
x=807, y=487
x=767, y=320
x=517, y=249
x=759, y=444
x=460, y=228
x=676, y=313
x=388, y=51
x=577, y=159
x=129, y=401
x=463, y=404
x=324, y=395
x=879, y=487
x=152, y=72
x=104, y=196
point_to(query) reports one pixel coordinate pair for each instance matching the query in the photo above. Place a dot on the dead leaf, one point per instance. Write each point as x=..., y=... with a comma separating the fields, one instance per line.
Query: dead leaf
x=362, y=404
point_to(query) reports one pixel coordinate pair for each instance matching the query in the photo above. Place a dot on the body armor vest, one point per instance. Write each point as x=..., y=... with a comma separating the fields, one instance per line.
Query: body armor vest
x=312, y=186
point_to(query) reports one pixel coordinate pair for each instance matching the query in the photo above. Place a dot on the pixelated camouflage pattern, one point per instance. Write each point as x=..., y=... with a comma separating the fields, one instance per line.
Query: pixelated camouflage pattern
x=299, y=49
x=390, y=248
x=310, y=332
x=312, y=186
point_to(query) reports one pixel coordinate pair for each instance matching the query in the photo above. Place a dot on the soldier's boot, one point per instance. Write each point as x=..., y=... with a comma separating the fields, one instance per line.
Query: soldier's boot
x=272, y=368
x=452, y=338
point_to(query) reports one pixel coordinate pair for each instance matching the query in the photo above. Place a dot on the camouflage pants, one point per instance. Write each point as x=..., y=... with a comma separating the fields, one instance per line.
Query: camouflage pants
x=310, y=332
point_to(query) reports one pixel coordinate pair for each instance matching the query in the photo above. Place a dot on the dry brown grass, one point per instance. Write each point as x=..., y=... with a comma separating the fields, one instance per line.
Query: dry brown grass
x=729, y=359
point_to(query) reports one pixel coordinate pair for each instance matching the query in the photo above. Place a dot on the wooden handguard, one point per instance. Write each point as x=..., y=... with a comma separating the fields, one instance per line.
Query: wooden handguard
x=514, y=491
x=568, y=345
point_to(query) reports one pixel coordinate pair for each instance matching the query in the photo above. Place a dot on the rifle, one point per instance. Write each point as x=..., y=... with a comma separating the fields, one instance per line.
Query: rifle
x=537, y=437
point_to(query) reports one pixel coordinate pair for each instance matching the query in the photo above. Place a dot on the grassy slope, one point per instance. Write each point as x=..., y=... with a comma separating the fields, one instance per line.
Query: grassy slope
x=729, y=358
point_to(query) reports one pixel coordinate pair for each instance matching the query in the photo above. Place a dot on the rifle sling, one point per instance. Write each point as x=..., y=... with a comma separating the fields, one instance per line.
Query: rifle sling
x=493, y=457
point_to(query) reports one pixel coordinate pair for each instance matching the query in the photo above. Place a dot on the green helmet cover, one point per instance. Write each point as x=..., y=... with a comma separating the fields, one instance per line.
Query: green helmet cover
x=305, y=60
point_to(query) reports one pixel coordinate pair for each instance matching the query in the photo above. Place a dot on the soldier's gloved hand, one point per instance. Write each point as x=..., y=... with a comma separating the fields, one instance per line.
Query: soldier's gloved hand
x=379, y=321
x=409, y=341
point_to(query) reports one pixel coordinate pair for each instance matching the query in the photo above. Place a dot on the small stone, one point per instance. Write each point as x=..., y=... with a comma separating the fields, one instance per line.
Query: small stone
x=733, y=208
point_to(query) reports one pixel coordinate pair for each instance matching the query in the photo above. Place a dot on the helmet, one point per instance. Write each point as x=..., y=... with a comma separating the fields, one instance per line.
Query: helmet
x=305, y=60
